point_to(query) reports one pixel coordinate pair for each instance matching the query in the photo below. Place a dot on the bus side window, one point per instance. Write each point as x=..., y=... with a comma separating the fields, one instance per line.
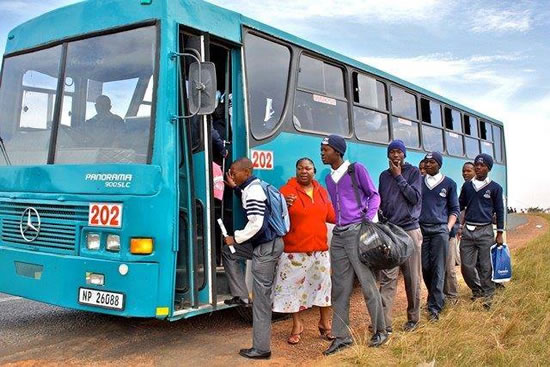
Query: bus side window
x=320, y=104
x=267, y=72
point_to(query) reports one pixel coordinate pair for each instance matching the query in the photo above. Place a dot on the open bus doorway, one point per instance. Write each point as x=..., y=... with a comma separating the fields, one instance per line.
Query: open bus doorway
x=200, y=279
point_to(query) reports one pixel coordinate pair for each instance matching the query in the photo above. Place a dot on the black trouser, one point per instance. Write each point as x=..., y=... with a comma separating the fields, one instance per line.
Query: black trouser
x=435, y=245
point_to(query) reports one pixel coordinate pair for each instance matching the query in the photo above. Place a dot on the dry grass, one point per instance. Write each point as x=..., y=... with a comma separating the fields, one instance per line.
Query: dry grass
x=515, y=332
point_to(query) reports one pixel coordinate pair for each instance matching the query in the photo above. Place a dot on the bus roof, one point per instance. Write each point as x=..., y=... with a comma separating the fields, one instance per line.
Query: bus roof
x=89, y=16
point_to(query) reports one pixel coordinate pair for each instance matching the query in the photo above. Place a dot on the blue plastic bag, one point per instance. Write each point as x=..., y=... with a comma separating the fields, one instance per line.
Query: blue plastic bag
x=501, y=263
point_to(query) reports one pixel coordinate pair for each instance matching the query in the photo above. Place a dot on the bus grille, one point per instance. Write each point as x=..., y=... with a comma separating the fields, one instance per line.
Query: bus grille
x=58, y=229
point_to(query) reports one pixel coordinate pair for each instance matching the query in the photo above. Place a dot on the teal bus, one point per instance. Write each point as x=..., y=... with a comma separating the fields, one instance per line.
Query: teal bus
x=108, y=110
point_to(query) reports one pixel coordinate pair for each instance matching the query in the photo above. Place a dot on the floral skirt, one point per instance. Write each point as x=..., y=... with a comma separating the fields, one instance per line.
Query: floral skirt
x=302, y=281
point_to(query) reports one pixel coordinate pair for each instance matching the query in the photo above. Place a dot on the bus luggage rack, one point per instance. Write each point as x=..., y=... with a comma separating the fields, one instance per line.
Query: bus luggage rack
x=58, y=224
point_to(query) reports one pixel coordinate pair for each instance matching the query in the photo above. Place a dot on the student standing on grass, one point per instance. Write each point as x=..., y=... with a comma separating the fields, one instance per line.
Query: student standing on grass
x=481, y=198
x=401, y=201
x=344, y=256
x=439, y=213
x=450, y=289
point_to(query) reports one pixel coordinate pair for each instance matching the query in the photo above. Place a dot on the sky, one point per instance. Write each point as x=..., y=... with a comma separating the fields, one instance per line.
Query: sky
x=489, y=55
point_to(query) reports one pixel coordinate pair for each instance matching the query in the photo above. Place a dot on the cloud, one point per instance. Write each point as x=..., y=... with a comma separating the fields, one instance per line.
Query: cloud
x=396, y=11
x=494, y=20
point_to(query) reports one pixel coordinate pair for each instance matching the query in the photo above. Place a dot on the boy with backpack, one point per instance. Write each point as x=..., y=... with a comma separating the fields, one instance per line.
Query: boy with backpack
x=260, y=240
x=344, y=256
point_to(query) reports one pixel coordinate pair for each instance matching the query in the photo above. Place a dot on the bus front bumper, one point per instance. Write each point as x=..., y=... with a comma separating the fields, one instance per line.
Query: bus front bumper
x=60, y=279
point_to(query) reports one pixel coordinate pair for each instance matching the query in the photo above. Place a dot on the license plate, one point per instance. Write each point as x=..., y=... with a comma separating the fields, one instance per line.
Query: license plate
x=104, y=299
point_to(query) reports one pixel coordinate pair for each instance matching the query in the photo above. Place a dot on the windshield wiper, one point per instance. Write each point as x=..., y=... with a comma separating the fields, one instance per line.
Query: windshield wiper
x=4, y=152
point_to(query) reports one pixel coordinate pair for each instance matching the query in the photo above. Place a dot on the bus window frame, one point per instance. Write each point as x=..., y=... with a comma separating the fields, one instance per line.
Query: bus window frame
x=345, y=77
x=417, y=121
x=369, y=108
x=60, y=89
x=429, y=124
x=286, y=106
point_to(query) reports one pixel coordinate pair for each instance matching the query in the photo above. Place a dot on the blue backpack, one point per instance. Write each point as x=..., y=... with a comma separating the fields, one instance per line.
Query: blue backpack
x=279, y=219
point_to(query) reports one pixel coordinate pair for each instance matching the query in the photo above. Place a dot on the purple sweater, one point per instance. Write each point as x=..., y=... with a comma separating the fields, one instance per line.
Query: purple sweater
x=343, y=197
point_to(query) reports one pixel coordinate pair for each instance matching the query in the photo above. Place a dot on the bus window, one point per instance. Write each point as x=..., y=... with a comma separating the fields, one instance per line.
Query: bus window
x=369, y=92
x=27, y=100
x=320, y=104
x=111, y=74
x=497, y=134
x=267, y=71
x=470, y=126
x=403, y=103
x=431, y=112
x=452, y=120
x=486, y=131
x=432, y=139
x=371, y=125
x=454, y=144
x=472, y=147
x=487, y=147
x=406, y=130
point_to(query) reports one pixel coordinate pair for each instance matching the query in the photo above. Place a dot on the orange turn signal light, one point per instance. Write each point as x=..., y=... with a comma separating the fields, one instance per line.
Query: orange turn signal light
x=141, y=246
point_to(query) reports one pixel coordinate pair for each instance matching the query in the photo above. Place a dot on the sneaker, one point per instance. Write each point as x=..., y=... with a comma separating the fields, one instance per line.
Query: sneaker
x=433, y=316
x=389, y=330
x=410, y=326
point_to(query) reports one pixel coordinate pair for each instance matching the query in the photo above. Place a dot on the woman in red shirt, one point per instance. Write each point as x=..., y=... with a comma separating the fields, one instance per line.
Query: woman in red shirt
x=303, y=272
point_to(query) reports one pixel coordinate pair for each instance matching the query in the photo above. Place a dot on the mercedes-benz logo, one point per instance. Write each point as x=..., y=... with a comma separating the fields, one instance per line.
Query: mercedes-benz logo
x=29, y=226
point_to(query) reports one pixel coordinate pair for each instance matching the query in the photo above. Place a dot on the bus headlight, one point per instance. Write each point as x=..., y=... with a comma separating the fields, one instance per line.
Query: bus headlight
x=92, y=241
x=141, y=246
x=113, y=242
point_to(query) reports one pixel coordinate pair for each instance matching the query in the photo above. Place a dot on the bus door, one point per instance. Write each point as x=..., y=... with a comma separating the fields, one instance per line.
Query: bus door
x=199, y=259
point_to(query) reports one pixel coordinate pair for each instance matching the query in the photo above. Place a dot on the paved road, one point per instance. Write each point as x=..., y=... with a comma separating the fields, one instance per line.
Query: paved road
x=43, y=334
x=515, y=220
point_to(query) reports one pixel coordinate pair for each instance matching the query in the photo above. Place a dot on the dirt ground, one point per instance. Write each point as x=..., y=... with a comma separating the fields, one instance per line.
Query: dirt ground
x=152, y=342
x=310, y=348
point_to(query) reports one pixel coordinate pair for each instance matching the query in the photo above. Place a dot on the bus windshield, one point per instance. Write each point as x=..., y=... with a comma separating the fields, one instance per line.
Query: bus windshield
x=103, y=107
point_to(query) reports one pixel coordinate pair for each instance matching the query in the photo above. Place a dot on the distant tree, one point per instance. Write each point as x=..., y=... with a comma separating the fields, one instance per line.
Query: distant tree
x=535, y=210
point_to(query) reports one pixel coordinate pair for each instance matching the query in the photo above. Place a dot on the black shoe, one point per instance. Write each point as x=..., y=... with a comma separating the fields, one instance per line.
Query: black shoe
x=236, y=301
x=487, y=303
x=433, y=316
x=410, y=326
x=499, y=286
x=378, y=339
x=337, y=345
x=254, y=354
x=389, y=330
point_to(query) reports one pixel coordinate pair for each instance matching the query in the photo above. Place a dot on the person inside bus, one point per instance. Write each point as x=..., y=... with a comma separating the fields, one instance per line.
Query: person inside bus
x=440, y=211
x=303, y=272
x=256, y=241
x=481, y=198
x=344, y=256
x=104, y=117
x=400, y=188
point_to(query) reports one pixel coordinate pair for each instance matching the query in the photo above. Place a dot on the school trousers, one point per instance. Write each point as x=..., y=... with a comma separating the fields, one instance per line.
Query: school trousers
x=475, y=256
x=412, y=271
x=264, y=266
x=435, y=246
x=450, y=287
x=346, y=265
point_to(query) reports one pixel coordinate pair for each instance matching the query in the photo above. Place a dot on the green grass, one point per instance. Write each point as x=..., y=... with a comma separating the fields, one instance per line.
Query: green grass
x=515, y=332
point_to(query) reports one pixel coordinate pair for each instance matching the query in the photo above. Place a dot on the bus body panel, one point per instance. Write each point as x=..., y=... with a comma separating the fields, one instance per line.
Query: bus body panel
x=139, y=285
x=112, y=179
x=288, y=147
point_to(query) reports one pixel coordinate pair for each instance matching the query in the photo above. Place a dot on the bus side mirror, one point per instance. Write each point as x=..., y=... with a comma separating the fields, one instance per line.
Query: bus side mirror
x=202, y=88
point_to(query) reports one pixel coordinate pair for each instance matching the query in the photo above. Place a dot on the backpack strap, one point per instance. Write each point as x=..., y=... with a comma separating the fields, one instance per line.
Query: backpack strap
x=351, y=172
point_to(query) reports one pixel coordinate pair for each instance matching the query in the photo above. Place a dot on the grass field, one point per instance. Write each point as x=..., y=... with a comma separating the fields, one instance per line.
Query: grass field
x=515, y=332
